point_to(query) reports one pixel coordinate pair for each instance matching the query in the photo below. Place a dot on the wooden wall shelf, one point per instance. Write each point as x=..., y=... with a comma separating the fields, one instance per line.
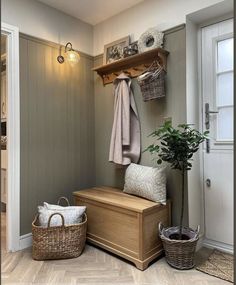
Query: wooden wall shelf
x=133, y=65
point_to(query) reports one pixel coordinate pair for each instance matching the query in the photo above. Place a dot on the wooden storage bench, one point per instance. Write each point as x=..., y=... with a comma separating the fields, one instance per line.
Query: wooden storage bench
x=124, y=224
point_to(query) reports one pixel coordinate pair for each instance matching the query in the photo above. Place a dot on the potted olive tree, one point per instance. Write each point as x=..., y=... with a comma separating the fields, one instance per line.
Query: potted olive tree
x=177, y=147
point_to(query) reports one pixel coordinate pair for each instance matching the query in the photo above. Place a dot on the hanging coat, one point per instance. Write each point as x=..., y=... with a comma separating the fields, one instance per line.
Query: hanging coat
x=125, y=137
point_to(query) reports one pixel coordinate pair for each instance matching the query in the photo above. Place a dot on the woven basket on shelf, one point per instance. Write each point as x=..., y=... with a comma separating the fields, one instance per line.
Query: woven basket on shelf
x=152, y=82
x=58, y=242
x=179, y=253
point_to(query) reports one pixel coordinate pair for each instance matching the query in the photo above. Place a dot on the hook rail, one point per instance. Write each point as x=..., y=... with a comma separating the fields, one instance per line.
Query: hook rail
x=133, y=66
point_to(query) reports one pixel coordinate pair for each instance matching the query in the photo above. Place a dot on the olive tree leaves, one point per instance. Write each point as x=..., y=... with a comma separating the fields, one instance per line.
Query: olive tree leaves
x=176, y=145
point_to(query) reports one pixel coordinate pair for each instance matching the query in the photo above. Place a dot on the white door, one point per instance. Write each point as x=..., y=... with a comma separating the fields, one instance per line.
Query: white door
x=217, y=113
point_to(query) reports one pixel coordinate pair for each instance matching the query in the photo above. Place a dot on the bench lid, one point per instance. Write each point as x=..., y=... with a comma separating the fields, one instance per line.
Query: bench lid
x=116, y=197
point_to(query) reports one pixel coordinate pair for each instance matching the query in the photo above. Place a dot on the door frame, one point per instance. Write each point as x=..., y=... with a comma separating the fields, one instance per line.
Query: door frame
x=13, y=137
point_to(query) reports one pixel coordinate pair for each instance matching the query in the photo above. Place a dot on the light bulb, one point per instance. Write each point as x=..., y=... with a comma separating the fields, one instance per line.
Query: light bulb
x=73, y=57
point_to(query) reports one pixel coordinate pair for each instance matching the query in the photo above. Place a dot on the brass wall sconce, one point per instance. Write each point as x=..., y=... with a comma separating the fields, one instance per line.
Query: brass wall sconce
x=72, y=56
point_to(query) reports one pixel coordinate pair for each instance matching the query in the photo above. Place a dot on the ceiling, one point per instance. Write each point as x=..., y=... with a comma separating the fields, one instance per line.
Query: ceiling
x=91, y=11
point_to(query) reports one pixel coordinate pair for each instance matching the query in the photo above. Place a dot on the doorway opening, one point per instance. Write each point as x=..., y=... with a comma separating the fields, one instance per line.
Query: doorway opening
x=3, y=142
x=10, y=139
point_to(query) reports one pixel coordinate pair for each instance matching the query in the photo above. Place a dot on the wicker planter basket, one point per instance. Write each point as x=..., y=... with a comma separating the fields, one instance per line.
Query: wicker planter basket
x=58, y=242
x=179, y=253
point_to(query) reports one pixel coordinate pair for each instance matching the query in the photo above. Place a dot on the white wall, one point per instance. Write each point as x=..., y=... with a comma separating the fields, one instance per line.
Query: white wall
x=36, y=19
x=164, y=14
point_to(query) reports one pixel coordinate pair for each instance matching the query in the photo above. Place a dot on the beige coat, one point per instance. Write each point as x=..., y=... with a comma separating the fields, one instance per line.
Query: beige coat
x=125, y=137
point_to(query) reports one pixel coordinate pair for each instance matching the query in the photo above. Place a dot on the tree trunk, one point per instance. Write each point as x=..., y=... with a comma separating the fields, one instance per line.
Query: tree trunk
x=182, y=207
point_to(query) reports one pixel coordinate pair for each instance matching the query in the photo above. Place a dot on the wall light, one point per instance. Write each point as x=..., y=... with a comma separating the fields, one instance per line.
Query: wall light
x=72, y=56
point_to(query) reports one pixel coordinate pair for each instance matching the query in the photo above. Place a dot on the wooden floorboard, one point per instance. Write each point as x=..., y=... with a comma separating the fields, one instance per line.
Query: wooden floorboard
x=96, y=266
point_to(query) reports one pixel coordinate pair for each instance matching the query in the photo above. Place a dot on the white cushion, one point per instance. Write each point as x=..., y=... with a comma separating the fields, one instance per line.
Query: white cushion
x=72, y=214
x=146, y=182
x=58, y=207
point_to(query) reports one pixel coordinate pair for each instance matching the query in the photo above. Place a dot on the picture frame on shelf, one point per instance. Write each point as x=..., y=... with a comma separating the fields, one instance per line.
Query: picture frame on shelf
x=114, y=51
x=131, y=49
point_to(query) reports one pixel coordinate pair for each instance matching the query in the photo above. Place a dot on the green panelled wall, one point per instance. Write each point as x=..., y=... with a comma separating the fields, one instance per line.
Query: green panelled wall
x=57, y=127
x=151, y=116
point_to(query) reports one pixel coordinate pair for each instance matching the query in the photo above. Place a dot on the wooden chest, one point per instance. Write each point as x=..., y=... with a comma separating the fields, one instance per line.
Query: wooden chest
x=124, y=224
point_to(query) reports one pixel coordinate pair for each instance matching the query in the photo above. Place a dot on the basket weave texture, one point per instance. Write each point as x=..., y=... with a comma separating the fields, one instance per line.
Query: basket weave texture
x=152, y=84
x=179, y=253
x=58, y=242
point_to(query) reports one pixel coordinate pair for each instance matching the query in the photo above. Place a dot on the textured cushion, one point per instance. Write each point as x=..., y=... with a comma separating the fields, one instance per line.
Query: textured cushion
x=72, y=214
x=58, y=207
x=146, y=182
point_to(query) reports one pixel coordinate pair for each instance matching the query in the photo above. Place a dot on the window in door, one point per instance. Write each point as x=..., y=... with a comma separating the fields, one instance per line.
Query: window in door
x=224, y=90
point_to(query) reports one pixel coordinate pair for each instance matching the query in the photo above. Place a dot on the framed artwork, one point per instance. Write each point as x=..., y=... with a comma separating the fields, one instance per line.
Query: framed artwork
x=114, y=50
x=131, y=49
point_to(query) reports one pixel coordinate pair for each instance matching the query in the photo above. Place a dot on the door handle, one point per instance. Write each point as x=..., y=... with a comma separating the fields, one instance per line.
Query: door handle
x=207, y=123
x=207, y=115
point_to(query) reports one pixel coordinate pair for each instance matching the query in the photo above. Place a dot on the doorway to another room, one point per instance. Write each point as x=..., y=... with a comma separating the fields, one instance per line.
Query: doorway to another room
x=10, y=139
x=3, y=142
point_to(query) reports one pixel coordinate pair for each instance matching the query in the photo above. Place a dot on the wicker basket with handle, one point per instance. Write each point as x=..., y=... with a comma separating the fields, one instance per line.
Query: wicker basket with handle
x=179, y=253
x=65, y=199
x=152, y=82
x=58, y=242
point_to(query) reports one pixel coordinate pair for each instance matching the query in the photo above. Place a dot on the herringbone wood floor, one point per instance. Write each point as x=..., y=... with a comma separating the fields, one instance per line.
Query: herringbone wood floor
x=95, y=266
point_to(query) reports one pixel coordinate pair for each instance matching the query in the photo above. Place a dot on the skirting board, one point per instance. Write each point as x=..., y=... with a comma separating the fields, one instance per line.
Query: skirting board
x=218, y=245
x=25, y=241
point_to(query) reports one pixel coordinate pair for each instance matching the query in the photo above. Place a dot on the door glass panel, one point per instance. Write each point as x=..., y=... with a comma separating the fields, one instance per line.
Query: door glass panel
x=225, y=124
x=225, y=89
x=225, y=55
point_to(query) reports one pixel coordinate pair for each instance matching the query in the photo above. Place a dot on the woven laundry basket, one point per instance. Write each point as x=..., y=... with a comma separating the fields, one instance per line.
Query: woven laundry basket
x=58, y=242
x=179, y=253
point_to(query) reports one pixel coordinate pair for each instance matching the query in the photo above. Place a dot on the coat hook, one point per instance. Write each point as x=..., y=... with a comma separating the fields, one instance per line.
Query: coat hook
x=137, y=69
x=127, y=72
